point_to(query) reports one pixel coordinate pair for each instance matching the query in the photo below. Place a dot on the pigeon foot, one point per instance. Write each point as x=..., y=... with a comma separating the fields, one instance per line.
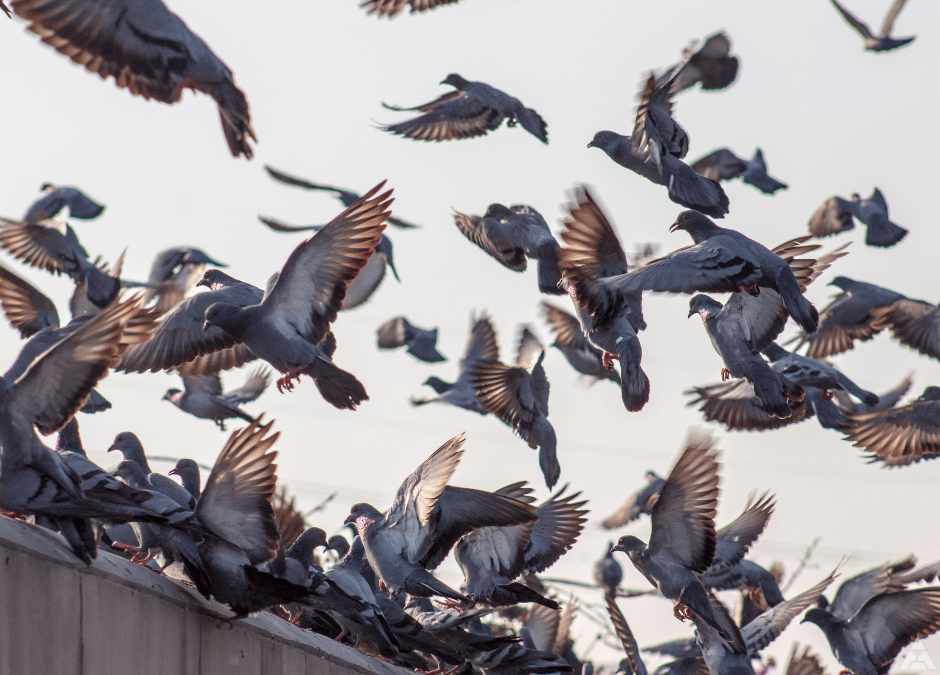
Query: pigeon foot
x=608, y=360
x=511, y=122
x=285, y=383
x=826, y=395
x=180, y=86
x=12, y=514
x=753, y=289
x=725, y=374
x=680, y=611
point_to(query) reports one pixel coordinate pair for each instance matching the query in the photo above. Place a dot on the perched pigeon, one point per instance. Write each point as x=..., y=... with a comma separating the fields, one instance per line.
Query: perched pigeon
x=835, y=215
x=571, y=341
x=607, y=571
x=850, y=316
x=188, y=471
x=638, y=503
x=592, y=253
x=129, y=445
x=420, y=342
x=300, y=559
x=203, y=397
x=883, y=42
x=513, y=234
x=902, y=435
x=722, y=164
x=473, y=109
x=518, y=395
x=913, y=323
x=682, y=543
x=347, y=197
x=712, y=65
x=125, y=40
x=481, y=349
x=54, y=199
x=868, y=642
x=491, y=557
x=425, y=520
x=174, y=273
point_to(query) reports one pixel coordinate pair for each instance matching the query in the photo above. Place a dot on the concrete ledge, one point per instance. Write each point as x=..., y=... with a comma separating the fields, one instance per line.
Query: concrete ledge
x=60, y=617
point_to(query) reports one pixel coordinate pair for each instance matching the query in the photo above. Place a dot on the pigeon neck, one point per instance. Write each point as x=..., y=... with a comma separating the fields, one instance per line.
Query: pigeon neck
x=703, y=231
x=69, y=439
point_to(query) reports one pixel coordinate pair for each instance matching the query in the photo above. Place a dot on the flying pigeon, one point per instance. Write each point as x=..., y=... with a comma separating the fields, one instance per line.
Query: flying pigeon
x=682, y=542
x=712, y=65
x=899, y=436
x=835, y=215
x=518, y=395
x=887, y=399
x=390, y=8
x=733, y=541
x=511, y=235
x=855, y=591
x=722, y=164
x=203, y=397
x=571, y=341
x=174, y=273
x=420, y=342
x=147, y=49
x=481, y=348
x=883, y=42
x=472, y=109
x=425, y=520
x=638, y=503
x=592, y=253
x=913, y=323
x=54, y=199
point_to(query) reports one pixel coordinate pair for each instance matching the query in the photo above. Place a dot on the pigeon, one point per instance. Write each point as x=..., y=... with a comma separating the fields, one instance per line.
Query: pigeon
x=899, y=436
x=657, y=147
x=725, y=261
x=638, y=503
x=491, y=557
x=722, y=164
x=682, y=543
x=174, y=273
x=835, y=215
x=126, y=40
x=625, y=635
x=347, y=197
x=390, y=8
x=300, y=558
x=868, y=642
x=724, y=328
x=46, y=394
x=518, y=395
x=420, y=342
x=854, y=592
x=513, y=234
x=129, y=445
x=592, y=253
x=370, y=276
x=188, y=471
x=733, y=541
x=914, y=323
x=472, y=109
x=883, y=42
x=425, y=520
x=849, y=317
x=607, y=572
x=571, y=341
x=887, y=399
x=481, y=348
x=202, y=397
x=712, y=65
x=54, y=199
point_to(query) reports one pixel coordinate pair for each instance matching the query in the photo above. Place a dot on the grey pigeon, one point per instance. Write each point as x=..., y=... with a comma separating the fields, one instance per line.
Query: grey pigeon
x=855, y=591
x=338, y=544
x=638, y=503
x=914, y=323
x=300, y=558
x=804, y=369
x=425, y=520
x=571, y=341
x=188, y=471
x=174, y=273
x=513, y=234
x=724, y=329
x=420, y=342
x=123, y=39
x=347, y=197
x=712, y=65
x=472, y=109
x=481, y=348
x=592, y=253
x=492, y=557
x=33, y=478
x=607, y=572
x=722, y=164
x=899, y=436
x=682, y=542
x=203, y=396
x=625, y=635
x=518, y=395
x=56, y=198
x=882, y=42
x=849, y=317
x=868, y=642
x=129, y=445
x=733, y=541
x=725, y=261
x=835, y=215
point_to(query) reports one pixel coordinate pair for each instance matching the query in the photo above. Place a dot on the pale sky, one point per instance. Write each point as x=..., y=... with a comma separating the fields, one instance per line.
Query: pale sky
x=830, y=118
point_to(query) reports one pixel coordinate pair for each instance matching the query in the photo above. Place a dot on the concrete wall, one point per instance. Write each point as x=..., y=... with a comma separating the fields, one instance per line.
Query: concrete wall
x=59, y=617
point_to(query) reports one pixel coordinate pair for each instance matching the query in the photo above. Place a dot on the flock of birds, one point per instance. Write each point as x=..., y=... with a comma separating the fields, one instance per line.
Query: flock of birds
x=230, y=538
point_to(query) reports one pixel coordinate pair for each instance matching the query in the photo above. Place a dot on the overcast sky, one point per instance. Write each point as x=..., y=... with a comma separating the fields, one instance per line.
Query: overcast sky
x=830, y=117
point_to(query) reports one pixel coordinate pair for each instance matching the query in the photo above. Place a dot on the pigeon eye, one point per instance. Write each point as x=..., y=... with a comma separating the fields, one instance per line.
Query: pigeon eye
x=685, y=217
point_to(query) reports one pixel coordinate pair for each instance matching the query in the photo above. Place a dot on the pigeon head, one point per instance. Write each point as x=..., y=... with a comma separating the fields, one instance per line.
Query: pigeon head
x=931, y=394
x=46, y=187
x=437, y=384
x=628, y=544
x=215, y=279
x=820, y=617
x=196, y=256
x=498, y=212
x=303, y=547
x=652, y=475
x=131, y=473
x=362, y=515
x=128, y=444
x=697, y=224
x=230, y=318
x=188, y=471
x=338, y=544
x=384, y=247
x=455, y=80
x=704, y=306
x=605, y=140
x=841, y=282
x=172, y=395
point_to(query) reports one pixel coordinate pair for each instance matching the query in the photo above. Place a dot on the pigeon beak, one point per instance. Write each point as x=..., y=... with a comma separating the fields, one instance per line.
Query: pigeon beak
x=674, y=226
x=113, y=447
x=174, y=472
x=691, y=312
x=615, y=548
x=591, y=144
x=350, y=519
